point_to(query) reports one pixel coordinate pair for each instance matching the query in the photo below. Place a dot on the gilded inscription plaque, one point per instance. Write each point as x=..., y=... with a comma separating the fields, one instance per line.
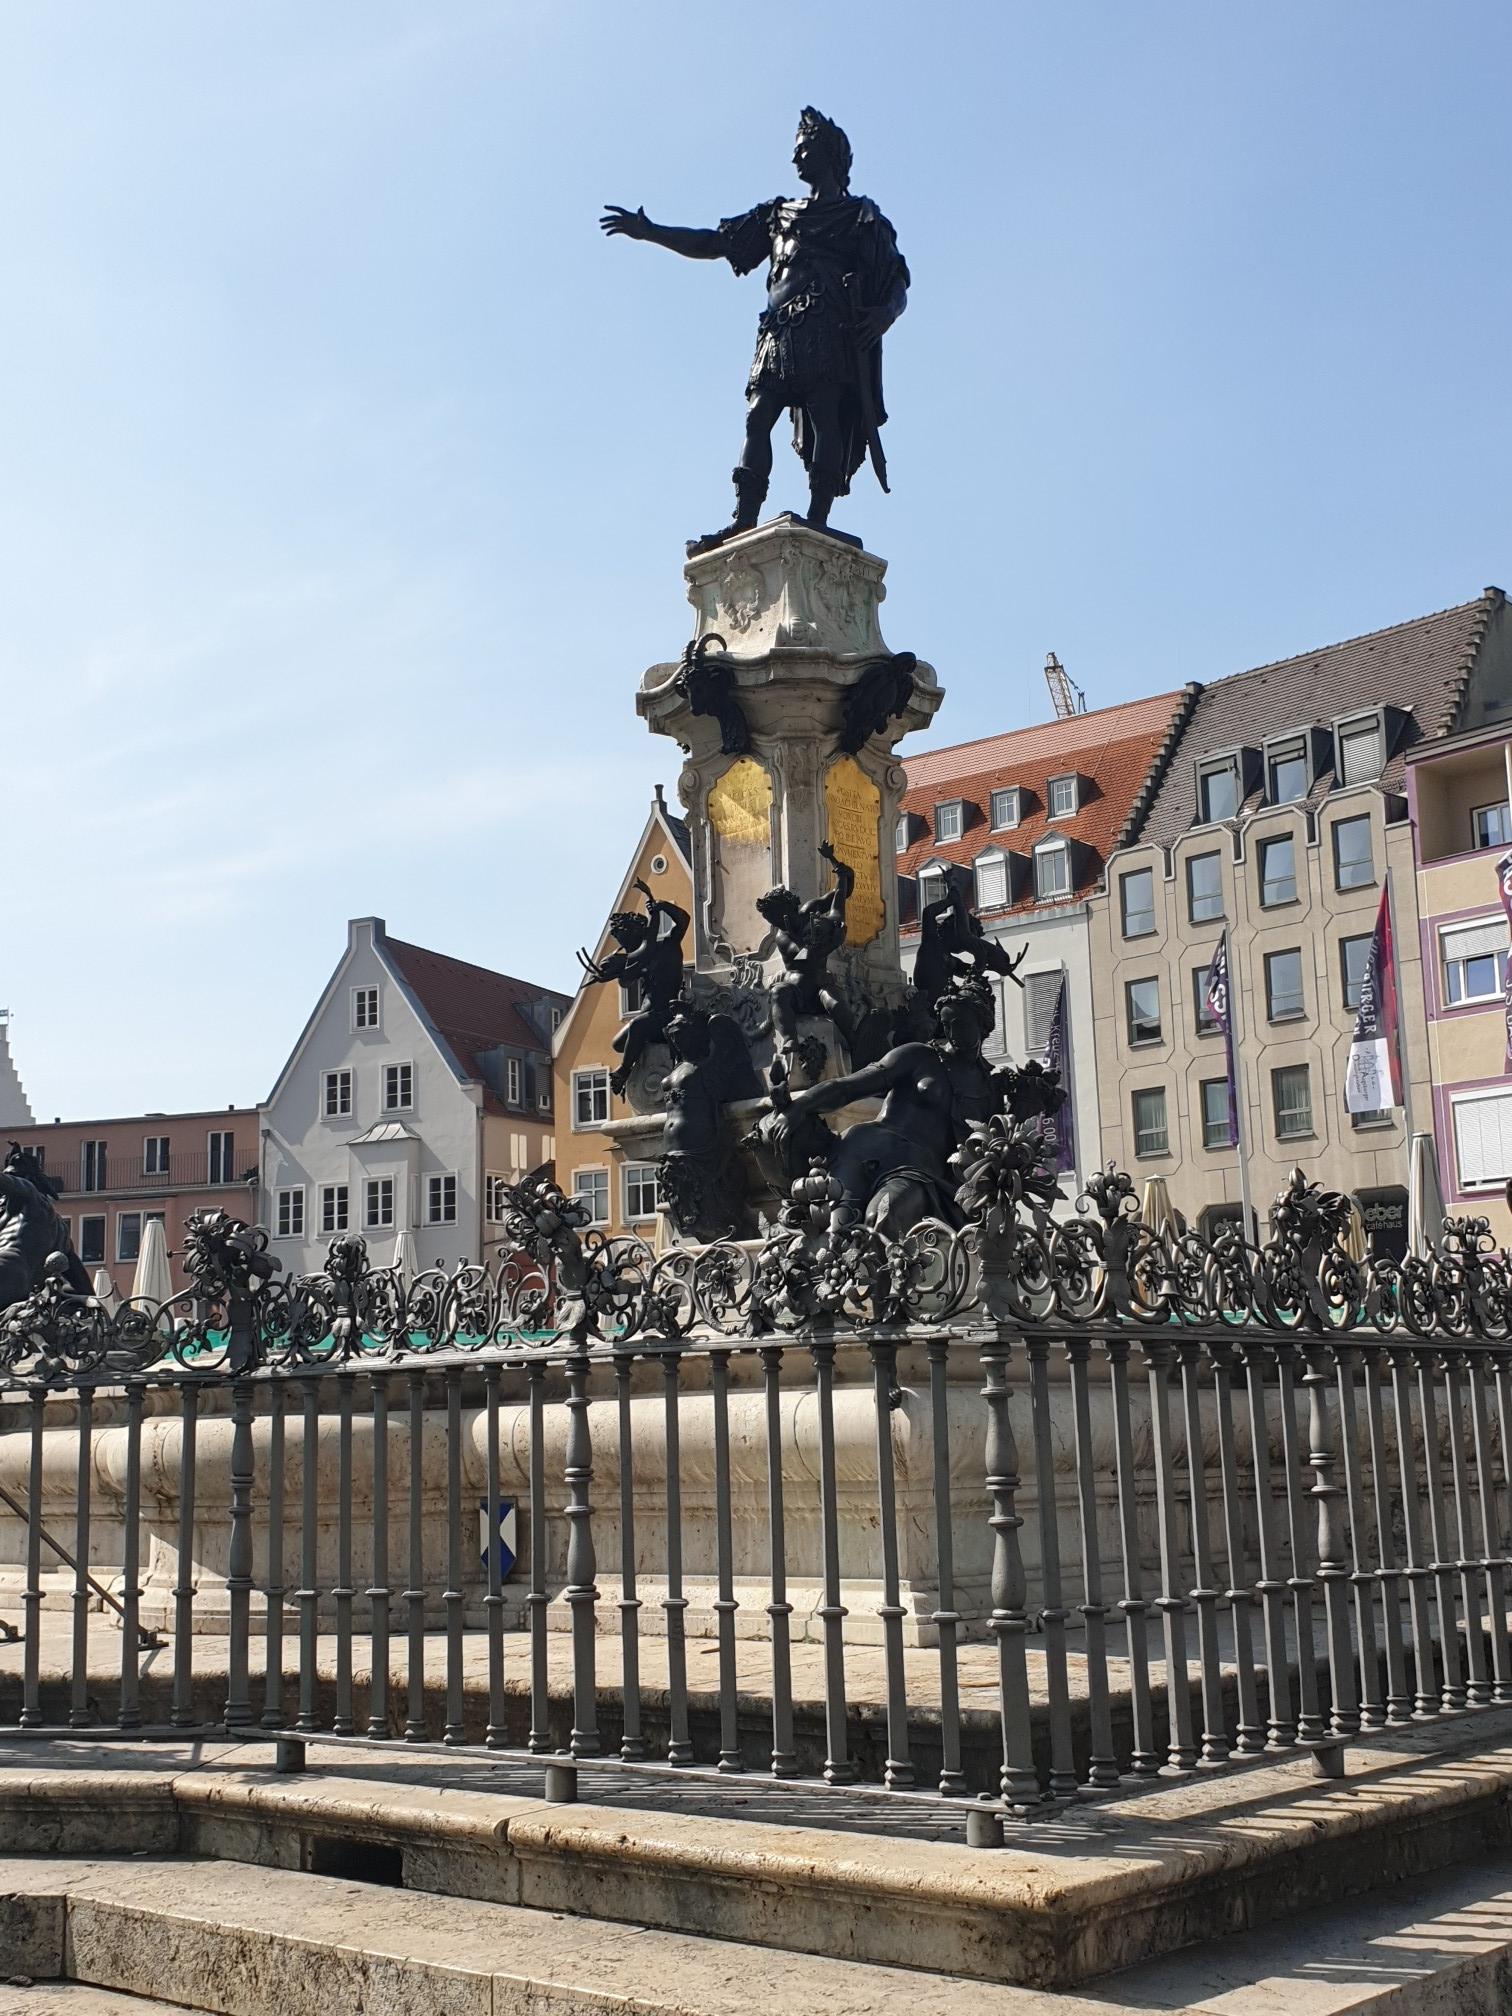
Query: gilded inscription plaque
x=854, y=805
x=740, y=811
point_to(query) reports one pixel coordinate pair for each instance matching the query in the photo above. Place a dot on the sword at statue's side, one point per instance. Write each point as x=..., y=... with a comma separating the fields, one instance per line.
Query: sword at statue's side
x=867, y=401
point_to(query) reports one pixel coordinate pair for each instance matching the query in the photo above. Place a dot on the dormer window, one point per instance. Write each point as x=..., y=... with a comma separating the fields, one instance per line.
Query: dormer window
x=950, y=819
x=1360, y=743
x=991, y=880
x=931, y=884
x=1005, y=808
x=902, y=836
x=1062, y=796
x=1218, y=789
x=1286, y=773
x=1052, y=870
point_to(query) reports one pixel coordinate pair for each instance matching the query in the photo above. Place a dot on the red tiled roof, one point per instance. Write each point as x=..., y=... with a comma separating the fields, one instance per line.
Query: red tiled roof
x=1113, y=751
x=474, y=1008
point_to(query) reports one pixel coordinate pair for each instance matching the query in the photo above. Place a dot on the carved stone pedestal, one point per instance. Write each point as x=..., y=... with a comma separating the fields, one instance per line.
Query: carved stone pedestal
x=798, y=613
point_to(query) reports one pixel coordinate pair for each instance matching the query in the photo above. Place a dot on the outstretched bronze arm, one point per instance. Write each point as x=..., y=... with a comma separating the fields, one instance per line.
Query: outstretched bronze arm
x=845, y=875
x=692, y=243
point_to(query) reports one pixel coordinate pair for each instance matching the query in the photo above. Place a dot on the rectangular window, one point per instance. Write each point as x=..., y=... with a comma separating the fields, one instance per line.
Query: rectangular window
x=950, y=820
x=901, y=834
x=931, y=887
x=364, y=1007
x=441, y=1200
x=641, y=1198
x=1362, y=750
x=1483, y=1138
x=991, y=881
x=92, y=1241
x=1353, y=954
x=1136, y=902
x=1041, y=992
x=155, y=1155
x=128, y=1235
x=590, y=1098
x=1142, y=1010
x=495, y=1198
x=1353, y=866
x=1150, y=1136
x=1052, y=871
x=336, y=1095
x=288, y=1213
x=398, y=1087
x=1204, y=887
x=592, y=1186
x=1205, y=1022
x=1218, y=791
x=514, y=1080
x=1291, y=1094
x=1286, y=772
x=1062, y=797
x=221, y=1155
x=1491, y=825
x=1216, y=1131
x=377, y=1203
x=92, y=1166
x=1283, y=986
x=1278, y=871
x=333, y=1208
x=1005, y=808
x=1475, y=961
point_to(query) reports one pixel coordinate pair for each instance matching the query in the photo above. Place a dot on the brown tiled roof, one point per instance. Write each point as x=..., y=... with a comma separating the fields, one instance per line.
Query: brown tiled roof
x=1114, y=751
x=474, y=1008
x=1421, y=667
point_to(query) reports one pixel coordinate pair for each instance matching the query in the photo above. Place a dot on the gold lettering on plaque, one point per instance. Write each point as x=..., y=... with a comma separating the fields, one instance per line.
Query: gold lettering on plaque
x=740, y=811
x=854, y=805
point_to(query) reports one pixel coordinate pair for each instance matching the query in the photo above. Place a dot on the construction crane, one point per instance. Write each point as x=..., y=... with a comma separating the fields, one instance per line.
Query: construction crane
x=1065, y=695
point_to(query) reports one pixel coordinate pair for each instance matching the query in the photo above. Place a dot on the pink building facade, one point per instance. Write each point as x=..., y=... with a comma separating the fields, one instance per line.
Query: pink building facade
x=114, y=1175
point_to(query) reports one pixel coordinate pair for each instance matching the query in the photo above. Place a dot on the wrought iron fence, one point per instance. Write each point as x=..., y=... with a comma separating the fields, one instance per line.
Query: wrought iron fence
x=1078, y=1501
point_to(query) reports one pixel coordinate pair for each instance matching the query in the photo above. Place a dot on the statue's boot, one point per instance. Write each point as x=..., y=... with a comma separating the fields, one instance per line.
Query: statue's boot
x=822, y=494
x=750, y=495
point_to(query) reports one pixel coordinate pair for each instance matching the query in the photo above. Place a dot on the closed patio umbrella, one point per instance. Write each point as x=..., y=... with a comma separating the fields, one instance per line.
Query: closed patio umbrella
x=1157, y=1210
x=105, y=1291
x=406, y=1261
x=1425, y=1200
x=1352, y=1238
x=153, y=1280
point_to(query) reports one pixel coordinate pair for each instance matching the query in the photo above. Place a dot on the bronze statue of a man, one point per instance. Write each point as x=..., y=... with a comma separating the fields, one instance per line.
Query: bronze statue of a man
x=836, y=283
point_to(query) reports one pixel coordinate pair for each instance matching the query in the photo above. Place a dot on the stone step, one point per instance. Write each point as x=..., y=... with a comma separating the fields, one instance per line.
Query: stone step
x=74, y=1998
x=230, y=1942
x=1076, y=1892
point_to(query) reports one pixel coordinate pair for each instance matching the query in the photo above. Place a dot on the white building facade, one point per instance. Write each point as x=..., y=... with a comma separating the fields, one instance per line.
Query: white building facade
x=419, y=1087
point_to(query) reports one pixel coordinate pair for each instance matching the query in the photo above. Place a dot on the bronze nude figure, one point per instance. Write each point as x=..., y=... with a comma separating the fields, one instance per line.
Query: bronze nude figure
x=649, y=966
x=836, y=282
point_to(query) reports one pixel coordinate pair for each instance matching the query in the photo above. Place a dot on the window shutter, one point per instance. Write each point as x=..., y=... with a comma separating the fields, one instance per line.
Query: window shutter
x=991, y=882
x=1483, y=1137
x=1040, y=993
x=1474, y=941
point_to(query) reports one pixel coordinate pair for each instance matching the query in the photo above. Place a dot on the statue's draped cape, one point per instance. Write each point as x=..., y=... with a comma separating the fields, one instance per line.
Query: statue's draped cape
x=846, y=237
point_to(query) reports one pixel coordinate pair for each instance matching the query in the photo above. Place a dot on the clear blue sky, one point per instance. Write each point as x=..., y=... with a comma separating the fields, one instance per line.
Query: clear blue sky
x=345, y=470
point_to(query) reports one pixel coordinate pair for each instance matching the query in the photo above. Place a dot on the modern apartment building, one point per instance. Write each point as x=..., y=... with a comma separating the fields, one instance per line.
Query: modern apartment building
x=1023, y=824
x=601, y=1149
x=1280, y=815
x=115, y=1175
x=1459, y=791
x=420, y=1086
